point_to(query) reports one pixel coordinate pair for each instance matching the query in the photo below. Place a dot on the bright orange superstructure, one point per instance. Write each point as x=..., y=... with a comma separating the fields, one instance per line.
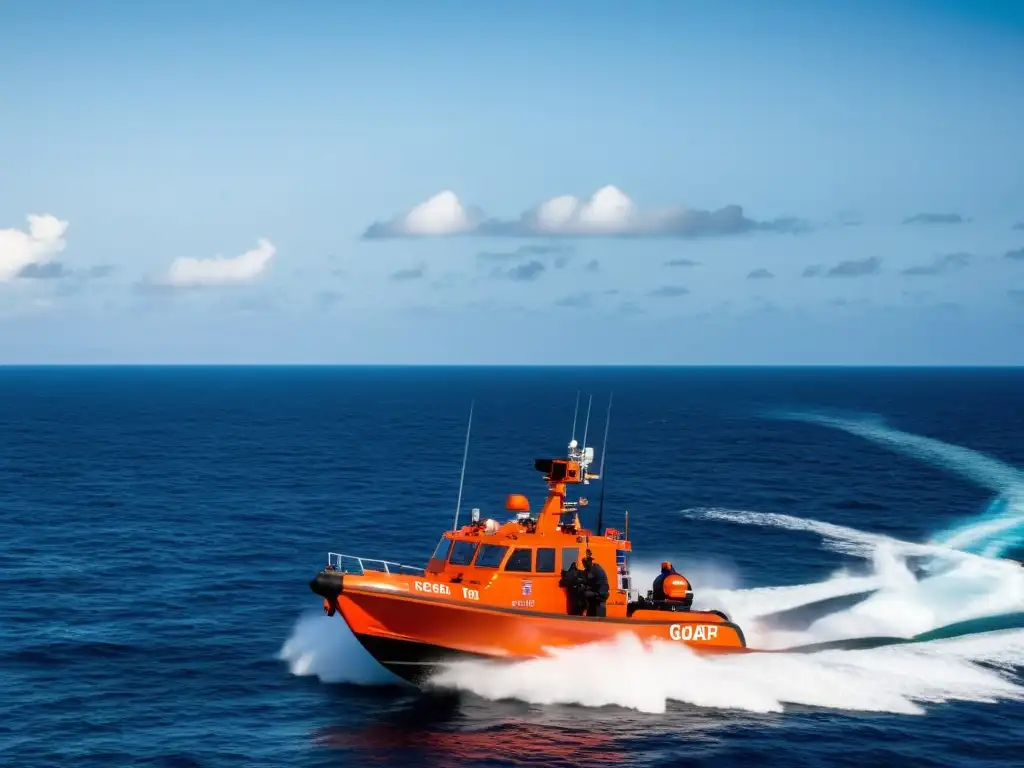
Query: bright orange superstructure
x=495, y=590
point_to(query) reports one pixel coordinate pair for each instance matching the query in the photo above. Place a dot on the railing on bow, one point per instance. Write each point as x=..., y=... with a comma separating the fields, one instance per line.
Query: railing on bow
x=360, y=565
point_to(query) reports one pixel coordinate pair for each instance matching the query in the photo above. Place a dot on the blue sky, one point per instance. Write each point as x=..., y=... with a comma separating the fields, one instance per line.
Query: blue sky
x=777, y=183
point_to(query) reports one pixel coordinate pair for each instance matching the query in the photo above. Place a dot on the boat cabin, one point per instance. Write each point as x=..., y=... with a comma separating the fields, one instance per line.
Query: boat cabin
x=519, y=563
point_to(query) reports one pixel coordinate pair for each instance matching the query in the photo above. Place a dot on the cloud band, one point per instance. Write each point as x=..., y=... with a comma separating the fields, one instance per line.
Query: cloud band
x=608, y=213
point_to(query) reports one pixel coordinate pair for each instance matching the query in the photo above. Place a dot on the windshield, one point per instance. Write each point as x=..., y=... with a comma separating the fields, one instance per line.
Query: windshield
x=441, y=553
x=462, y=553
x=490, y=556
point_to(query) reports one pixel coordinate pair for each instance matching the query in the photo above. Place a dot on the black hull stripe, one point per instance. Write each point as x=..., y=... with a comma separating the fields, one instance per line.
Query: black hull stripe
x=413, y=661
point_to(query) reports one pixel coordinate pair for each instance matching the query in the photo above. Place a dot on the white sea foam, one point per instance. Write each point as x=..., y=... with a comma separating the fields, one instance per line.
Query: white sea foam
x=627, y=673
x=961, y=587
x=324, y=646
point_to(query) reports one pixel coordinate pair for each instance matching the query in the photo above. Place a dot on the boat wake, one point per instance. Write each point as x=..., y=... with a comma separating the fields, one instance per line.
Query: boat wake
x=999, y=530
x=910, y=591
x=925, y=623
x=882, y=642
x=897, y=679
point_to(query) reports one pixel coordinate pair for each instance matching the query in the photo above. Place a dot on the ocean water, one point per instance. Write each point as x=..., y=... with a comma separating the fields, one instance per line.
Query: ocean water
x=159, y=528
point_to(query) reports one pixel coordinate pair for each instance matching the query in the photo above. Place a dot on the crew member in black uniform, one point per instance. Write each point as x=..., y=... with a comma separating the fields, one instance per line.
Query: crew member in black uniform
x=659, y=582
x=596, y=590
x=572, y=580
x=587, y=589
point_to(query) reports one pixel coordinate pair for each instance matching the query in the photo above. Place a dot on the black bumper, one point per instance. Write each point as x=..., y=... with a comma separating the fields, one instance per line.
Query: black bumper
x=328, y=584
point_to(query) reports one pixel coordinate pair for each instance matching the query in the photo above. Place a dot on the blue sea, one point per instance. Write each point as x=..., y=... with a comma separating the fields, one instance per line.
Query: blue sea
x=160, y=527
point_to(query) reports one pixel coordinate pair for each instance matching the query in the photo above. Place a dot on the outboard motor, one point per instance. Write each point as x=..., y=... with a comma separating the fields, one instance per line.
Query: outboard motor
x=677, y=590
x=671, y=592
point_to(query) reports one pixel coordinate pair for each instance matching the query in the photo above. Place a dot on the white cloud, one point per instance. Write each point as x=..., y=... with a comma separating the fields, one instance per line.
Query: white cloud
x=441, y=215
x=608, y=209
x=18, y=249
x=554, y=214
x=608, y=213
x=187, y=272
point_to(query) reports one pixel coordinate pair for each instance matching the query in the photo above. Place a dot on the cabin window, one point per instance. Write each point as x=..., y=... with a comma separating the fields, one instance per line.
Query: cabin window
x=462, y=553
x=441, y=553
x=521, y=560
x=546, y=560
x=490, y=556
x=569, y=556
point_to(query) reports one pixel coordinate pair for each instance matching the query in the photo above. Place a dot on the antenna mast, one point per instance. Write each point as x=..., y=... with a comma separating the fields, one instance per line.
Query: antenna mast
x=462, y=477
x=575, y=414
x=580, y=453
x=586, y=424
x=600, y=471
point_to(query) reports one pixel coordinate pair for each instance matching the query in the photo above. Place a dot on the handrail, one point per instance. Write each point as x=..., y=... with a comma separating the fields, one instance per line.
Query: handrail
x=346, y=564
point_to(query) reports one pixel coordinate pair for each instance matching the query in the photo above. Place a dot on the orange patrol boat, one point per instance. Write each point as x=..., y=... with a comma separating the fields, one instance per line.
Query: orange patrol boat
x=509, y=591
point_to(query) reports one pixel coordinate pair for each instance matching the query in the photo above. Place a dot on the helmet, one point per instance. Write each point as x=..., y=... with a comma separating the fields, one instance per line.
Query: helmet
x=666, y=565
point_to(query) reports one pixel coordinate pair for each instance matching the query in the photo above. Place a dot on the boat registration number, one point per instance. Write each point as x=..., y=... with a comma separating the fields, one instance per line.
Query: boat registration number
x=432, y=587
x=692, y=632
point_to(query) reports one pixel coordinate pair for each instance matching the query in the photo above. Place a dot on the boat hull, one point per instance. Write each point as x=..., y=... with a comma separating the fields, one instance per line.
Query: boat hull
x=414, y=636
x=413, y=661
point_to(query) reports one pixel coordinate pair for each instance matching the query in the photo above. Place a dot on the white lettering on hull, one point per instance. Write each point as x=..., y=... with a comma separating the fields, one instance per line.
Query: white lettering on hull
x=692, y=632
x=433, y=588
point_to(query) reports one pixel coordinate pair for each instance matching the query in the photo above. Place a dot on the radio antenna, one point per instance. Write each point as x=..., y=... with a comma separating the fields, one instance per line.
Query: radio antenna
x=600, y=471
x=462, y=476
x=586, y=425
x=575, y=414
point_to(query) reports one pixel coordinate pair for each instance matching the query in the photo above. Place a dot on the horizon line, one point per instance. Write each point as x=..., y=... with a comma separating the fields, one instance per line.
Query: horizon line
x=900, y=366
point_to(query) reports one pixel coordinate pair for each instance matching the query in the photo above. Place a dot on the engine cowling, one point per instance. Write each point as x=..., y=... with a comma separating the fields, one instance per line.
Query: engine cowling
x=676, y=587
